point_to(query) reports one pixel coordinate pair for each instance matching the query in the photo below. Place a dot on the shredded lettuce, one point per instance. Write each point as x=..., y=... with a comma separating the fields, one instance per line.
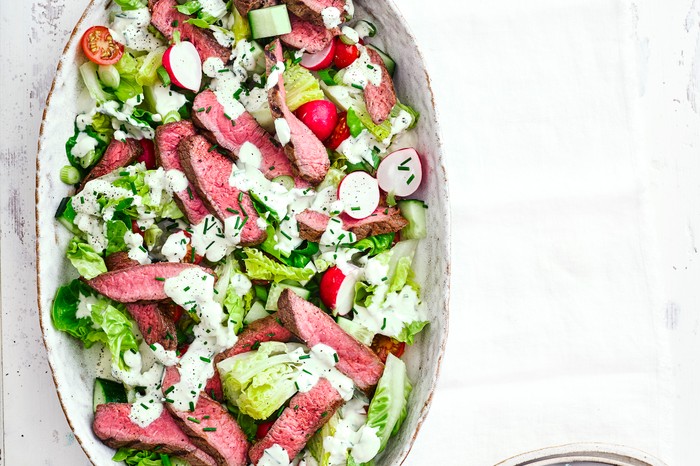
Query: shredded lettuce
x=87, y=262
x=241, y=27
x=108, y=322
x=260, y=267
x=227, y=294
x=146, y=458
x=298, y=258
x=301, y=86
x=259, y=382
x=388, y=408
x=147, y=74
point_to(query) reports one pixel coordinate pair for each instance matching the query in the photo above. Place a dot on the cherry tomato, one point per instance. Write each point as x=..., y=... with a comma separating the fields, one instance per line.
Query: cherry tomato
x=340, y=133
x=382, y=346
x=173, y=310
x=345, y=54
x=320, y=116
x=149, y=154
x=263, y=429
x=100, y=47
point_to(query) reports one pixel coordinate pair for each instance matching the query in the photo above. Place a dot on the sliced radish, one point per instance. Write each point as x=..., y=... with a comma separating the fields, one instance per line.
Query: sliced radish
x=319, y=60
x=400, y=172
x=359, y=192
x=337, y=288
x=320, y=116
x=184, y=66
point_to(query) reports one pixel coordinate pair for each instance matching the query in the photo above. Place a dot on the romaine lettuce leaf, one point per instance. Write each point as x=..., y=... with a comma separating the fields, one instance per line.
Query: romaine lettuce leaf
x=375, y=244
x=261, y=267
x=410, y=330
x=229, y=274
x=388, y=408
x=87, y=262
x=116, y=229
x=301, y=86
x=117, y=330
x=130, y=4
x=146, y=458
x=128, y=69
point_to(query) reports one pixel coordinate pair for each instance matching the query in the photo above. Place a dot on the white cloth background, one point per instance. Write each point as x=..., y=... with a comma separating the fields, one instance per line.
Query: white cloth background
x=571, y=134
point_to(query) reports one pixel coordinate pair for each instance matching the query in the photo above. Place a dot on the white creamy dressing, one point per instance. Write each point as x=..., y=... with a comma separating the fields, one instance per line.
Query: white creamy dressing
x=357, y=149
x=349, y=8
x=284, y=134
x=331, y=17
x=208, y=239
x=362, y=71
x=165, y=357
x=175, y=247
x=215, y=8
x=275, y=73
x=399, y=124
x=352, y=434
x=193, y=289
x=320, y=362
x=90, y=218
x=137, y=252
x=224, y=84
x=131, y=29
x=335, y=236
x=223, y=36
x=85, y=304
x=122, y=115
x=390, y=312
x=274, y=456
x=166, y=100
x=84, y=146
x=148, y=407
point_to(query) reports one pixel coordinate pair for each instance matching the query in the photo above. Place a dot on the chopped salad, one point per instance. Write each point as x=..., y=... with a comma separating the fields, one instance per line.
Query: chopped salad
x=244, y=226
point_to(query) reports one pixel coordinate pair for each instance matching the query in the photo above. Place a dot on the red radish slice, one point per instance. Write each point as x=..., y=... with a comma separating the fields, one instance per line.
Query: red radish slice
x=337, y=288
x=320, y=116
x=400, y=172
x=359, y=192
x=319, y=60
x=184, y=66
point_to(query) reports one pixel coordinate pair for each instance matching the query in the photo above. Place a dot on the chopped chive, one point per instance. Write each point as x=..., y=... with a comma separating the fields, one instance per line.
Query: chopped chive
x=213, y=147
x=189, y=193
x=355, y=208
x=335, y=356
x=187, y=288
x=192, y=260
x=384, y=324
x=370, y=67
x=240, y=196
x=223, y=70
x=191, y=406
x=304, y=370
x=324, y=414
x=285, y=235
x=206, y=417
x=123, y=173
x=168, y=336
x=404, y=169
x=208, y=109
x=207, y=360
x=227, y=117
x=160, y=279
x=210, y=245
x=410, y=179
x=194, y=419
x=306, y=356
x=357, y=86
x=153, y=347
x=406, y=161
x=168, y=400
x=237, y=94
x=144, y=406
x=233, y=211
x=209, y=429
x=175, y=23
x=201, y=109
x=296, y=385
x=142, y=249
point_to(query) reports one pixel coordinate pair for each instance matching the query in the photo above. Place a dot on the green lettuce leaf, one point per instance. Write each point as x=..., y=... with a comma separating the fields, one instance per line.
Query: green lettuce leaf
x=237, y=306
x=259, y=382
x=129, y=87
x=354, y=123
x=116, y=229
x=410, y=330
x=388, y=408
x=375, y=244
x=260, y=267
x=315, y=445
x=64, y=309
x=189, y=8
x=88, y=263
x=117, y=330
x=130, y=4
x=148, y=65
x=301, y=86
x=146, y=458
x=90, y=159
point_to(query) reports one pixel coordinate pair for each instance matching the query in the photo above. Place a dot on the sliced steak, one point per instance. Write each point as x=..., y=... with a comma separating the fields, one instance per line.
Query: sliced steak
x=120, y=260
x=140, y=283
x=168, y=137
x=306, y=152
x=306, y=413
x=118, y=154
x=308, y=36
x=113, y=426
x=223, y=438
x=209, y=171
x=314, y=326
x=167, y=19
x=155, y=325
x=384, y=220
x=379, y=99
x=245, y=6
x=310, y=10
x=231, y=135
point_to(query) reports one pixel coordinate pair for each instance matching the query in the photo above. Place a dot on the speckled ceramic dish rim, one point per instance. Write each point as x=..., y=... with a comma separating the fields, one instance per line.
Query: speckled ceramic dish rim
x=400, y=448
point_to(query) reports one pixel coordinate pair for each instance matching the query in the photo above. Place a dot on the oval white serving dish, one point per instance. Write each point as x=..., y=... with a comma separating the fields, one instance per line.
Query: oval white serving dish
x=74, y=372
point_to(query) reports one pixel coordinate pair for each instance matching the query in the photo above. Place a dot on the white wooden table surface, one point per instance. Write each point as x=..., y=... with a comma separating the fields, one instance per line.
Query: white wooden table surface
x=666, y=48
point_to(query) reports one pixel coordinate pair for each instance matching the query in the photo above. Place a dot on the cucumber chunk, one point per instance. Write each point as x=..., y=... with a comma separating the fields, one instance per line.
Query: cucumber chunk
x=269, y=22
x=388, y=61
x=107, y=391
x=413, y=210
x=276, y=290
x=257, y=312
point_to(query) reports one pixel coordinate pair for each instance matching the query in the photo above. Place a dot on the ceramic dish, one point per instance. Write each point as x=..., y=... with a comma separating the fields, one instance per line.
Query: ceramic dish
x=72, y=367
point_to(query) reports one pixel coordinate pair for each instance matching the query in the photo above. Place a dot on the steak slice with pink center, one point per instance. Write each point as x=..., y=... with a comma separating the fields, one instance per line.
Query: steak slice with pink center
x=313, y=326
x=167, y=19
x=306, y=413
x=245, y=6
x=307, y=153
x=140, y=283
x=384, y=220
x=118, y=154
x=308, y=36
x=168, y=137
x=210, y=171
x=155, y=325
x=113, y=426
x=310, y=10
x=232, y=134
x=210, y=426
x=120, y=260
x=379, y=99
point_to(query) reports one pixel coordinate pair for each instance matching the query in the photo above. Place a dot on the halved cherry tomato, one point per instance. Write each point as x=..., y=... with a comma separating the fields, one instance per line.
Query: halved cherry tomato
x=345, y=54
x=382, y=346
x=149, y=154
x=340, y=133
x=173, y=310
x=263, y=429
x=100, y=47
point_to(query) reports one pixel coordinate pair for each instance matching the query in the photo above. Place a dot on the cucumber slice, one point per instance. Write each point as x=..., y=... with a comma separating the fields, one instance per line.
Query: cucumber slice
x=413, y=210
x=257, y=312
x=276, y=290
x=388, y=61
x=269, y=22
x=107, y=391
